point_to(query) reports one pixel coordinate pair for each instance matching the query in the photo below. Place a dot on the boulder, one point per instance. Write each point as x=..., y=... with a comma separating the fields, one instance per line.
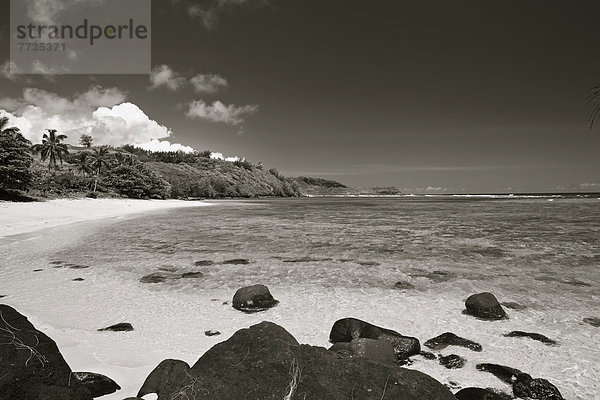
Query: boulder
x=266, y=362
x=347, y=329
x=373, y=350
x=528, y=388
x=473, y=393
x=452, y=361
x=450, y=339
x=31, y=365
x=502, y=372
x=485, y=306
x=120, y=327
x=534, y=336
x=253, y=298
x=168, y=378
x=98, y=385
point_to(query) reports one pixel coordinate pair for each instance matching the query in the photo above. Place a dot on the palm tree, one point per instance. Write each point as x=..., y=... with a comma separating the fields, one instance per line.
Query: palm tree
x=99, y=159
x=52, y=148
x=13, y=130
x=82, y=161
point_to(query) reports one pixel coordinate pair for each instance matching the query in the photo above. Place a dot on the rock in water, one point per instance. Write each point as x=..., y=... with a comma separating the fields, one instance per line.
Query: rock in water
x=593, y=321
x=347, y=329
x=538, y=388
x=450, y=339
x=159, y=277
x=266, y=362
x=31, y=365
x=485, y=306
x=98, y=385
x=168, y=378
x=404, y=285
x=502, y=372
x=452, y=361
x=253, y=298
x=534, y=336
x=513, y=305
x=237, y=261
x=373, y=350
x=120, y=327
x=473, y=393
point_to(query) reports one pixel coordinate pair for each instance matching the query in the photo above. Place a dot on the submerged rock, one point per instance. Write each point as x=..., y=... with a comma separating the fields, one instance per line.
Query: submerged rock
x=593, y=321
x=120, y=327
x=192, y=275
x=534, y=336
x=97, y=384
x=253, y=298
x=502, y=372
x=428, y=355
x=31, y=366
x=237, y=261
x=203, y=263
x=450, y=339
x=212, y=333
x=485, y=306
x=266, y=362
x=529, y=388
x=513, y=306
x=78, y=280
x=404, y=285
x=347, y=329
x=159, y=277
x=452, y=361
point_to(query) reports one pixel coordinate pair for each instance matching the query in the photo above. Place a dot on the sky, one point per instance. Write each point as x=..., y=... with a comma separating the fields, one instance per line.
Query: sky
x=434, y=96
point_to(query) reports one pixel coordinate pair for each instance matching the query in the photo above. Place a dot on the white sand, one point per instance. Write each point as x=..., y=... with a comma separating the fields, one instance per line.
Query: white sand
x=18, y=218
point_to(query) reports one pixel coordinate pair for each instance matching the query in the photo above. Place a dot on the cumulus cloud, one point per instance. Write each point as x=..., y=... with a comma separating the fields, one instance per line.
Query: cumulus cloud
x=100, y=112
x=219, y=112
x=220, y=156
x=164, y=76
x=48, y=11
x=208, y=83
x=165, y=145
x=7, y=69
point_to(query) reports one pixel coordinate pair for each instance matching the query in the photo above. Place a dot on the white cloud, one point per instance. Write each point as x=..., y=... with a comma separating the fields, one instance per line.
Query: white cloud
x=102, y=113
x=7, y=70
x=47, y=11
x=164, y=145
x=219, y=112
x=208, y=83
x=220, y=156
x=164, y=76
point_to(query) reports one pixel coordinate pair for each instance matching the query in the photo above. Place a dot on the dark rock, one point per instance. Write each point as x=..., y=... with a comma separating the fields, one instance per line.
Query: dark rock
x=266, y=362
x=473, y=393
x=98, y=385
x=2, y=295
x=593, y=321
x=120, y=327
x=485, y=306
x=168, y=378
x=37, y=270
x=428, y=355
x=237, y=261
x=373, y=350
x=203, y=263
x=133, y=398
x=435, y=276
x=404, y=285
x=192, y=275
x=534, y=336
x=502, y=372
x=78, y=280
x=368, y=263
x=253, y=298
x=452, y=361
x=305, y=259
x=159, y=277
x=347, y=329
x=513, y=306
x=212, y=333
x=76, y=266
x=57, y=262
x=450, y=339
x=538, y=388
x=340, y=346
x=31, y=366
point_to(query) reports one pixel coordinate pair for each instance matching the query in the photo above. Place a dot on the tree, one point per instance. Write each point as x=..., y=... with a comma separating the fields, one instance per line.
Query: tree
x=15, y=160
x=83, y=163
x=51, y=148
x=99, y=160
x=86, y=140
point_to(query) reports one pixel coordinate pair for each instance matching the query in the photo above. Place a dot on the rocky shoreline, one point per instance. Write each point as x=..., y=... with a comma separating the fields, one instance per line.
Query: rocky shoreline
x=265, y=361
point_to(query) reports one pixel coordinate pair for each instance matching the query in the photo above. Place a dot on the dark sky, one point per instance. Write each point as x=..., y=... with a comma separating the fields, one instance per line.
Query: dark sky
x=454, y=95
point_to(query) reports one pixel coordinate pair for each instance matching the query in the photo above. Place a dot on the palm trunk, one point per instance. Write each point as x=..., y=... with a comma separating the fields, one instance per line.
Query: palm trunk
x=96, y=180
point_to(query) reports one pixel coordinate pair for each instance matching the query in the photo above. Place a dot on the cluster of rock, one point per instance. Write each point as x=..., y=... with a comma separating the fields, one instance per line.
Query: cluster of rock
x=265, y=361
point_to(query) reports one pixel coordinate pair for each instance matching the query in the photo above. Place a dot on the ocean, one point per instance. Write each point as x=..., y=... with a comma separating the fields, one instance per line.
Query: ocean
x=330, y=258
